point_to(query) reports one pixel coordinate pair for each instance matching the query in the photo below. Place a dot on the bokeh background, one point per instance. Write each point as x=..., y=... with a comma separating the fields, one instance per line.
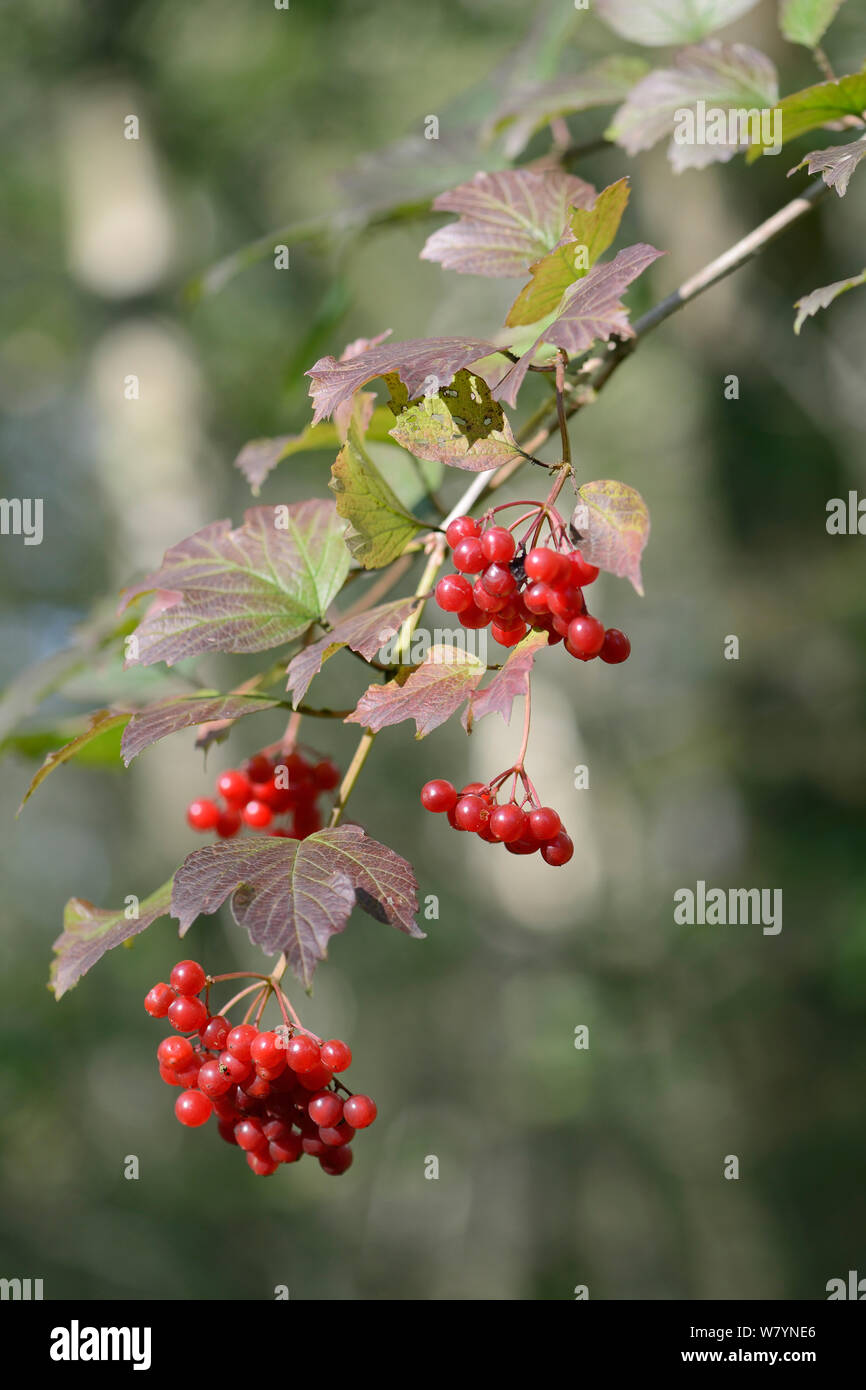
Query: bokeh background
x=557, y=1167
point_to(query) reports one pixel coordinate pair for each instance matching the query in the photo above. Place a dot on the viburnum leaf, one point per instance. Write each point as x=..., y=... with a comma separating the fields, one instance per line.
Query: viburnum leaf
x=591, y=309
x=611, y=525
x=529, y=108
x=428, y=430
x=658, y=22
x=244, y=590
x=98, y=724
x=379, y=526
x=467, y=399
x=806, y=21
x=423, y=365
x=818, y=106
x=88, y=932
x=364, y=632
x=810, y=304
x=589, y=233
x=507, y=685
x=258, y=458
x=508, y=219
x=149, y=725
x=294, y=895
x=836, y=164
x=432, y=693
x=726, y=76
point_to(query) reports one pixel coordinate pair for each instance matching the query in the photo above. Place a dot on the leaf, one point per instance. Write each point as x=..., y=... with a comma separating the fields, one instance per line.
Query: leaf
x=294, y=895
x=99, y=723
x=806, y=21
x=508, y=219
x=423, y=364
x=429, y=432
x=379, y=526
x=433, y=692
x=836, y=164
x=590, y=230
x=103, y=751
x=88, y=932
x=149, y=725
x=611, y=524
x=258, y=458
x=364, y=632
x=658, y=22
x=248, y=589
x=467, y=399
x=817, y=106
x=809, y=305
x=724, y=76
x=591, y=310
x=528, y=109
x=507, y=685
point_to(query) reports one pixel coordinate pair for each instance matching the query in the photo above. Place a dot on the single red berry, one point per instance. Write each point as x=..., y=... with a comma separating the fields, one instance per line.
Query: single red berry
x=497, y=545
x=585, y=636
x=239, y=1040
x=471, y=812
x=215, y=1032
x=317, y=1078
x=326, y=775
x=228, y=824
x=499, y=581
x=157, y=1000
x=249, y=1134
x=508, y=822
x=192, y=1108
x=544, y=823
x=224, y=1107
x=169, y=1075
x=258, y=768
x=256, y=1086
x=559, y=850
x=437, y=795
x=468, y=556
x=202, y=814
x=175, y=1052
x=257, y=814
x=582, y=573
x=267, y=1050
x=306, y=821
x=302, y=1053
x=326, y=1108
x=359, y=1111
x=525, y=846
x=460, y=527
x=488, y=603
x=508, y=636
x=546, y=565
x=187, y=977
x=336, y=1161
x=337, y=1055
x=566, y=602
x=286, y=1150
x=473, y=617
x=615, y=648
x=262, y=1164
x=235, y=1069
x=453, y=593
x=212, y=1081
x=234, y=787
x=312, y=1145
x=337, y=1135
x=187, y=1014
x=537, y=598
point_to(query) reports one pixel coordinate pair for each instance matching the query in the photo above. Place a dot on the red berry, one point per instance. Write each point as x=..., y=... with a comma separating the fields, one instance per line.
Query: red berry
x=239, y=1040
x=585, y=636
x=471, y=812
x=359, y=1111
x=546, y=565
x=228, y=824
x=453, y=593
x=187, y=1014
x=337, y=1135
x=326, y=775
x=215, y=1032
x=473, y=617
x=227, y=1130
x=302, y=1053
x=526, y=846
x=257, y=814
x=326, y=1108
x=234, y=787
x=212, y=1081
x=267, y=1050
x=566, y=602
x=317, y=1078
x=287, y=1149
x=187, y=977
x=249, y=1135
x=460, y=527
x=337, y=1055
x=582, y=573
x=312, y=1145
x=157, y=1000
x=306, y=821
x=192, y=1108
x=437, y=795
x=468, y=556
x=202, y=814
x=262, y=1164
x=259, y=768
x=537, y=598
x=508, y=822
x=498, y=581
x=488, y=603
x=615, y=648
x=508, y=636
x=175, y=1052
x=234, y=1068
x=497, y=545
x=544, y=823
x=336, y=1161
x=558, y=850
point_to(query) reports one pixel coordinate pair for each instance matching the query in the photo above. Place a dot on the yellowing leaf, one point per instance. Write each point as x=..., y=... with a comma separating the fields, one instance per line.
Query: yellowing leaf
x=611, y=525
x=379, y=526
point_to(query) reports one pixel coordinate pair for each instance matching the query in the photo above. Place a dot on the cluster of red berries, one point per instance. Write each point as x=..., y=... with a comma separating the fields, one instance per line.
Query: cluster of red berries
x=523, y=829
x=516, y=590
x=273, y=1093
x=267, y=786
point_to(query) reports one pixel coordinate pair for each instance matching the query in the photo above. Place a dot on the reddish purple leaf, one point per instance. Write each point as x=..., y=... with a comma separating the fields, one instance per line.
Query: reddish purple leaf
x=364, y=633
x=149, y=725
x=432, y=693
x=294, y=895
x=835, y=164
x=423, y=365
x=507, y=685
x=88, y=932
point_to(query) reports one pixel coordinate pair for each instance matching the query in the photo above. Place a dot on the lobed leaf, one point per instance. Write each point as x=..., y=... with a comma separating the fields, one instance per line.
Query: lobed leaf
x=248, y=589
x=611, y=524
x=432, y=693
x=818, y=106
x=528, y=109
x=508, y=685
x=379, y=526
x=821, y=298
x=88, y=932
x=806, y=21
x=428, y=430
x=148, y=726
x=836, y=164
x=364, y=632
x=294, y=895
x=423, y=365
x=659, y=22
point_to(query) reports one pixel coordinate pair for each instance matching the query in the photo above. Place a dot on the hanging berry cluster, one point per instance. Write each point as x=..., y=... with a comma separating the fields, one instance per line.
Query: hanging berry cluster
x=518, y=586
x=522, y=824
x=274, y=1092
x=269, y=785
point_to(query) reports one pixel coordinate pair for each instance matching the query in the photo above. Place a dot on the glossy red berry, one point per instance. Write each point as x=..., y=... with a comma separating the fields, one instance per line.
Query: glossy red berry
x=336, y=1054
x=359, y=1111
x=239, y=1040
x=559, y=850
x=460, y=527
x=473, y=617
x=508, y=822
x=234, y=787
x=497, y=545
x=267, y=1050
x=585, y=636
x=249, y=1134
x=615, y=648
x=192, y=1108
x=258, y=768
x=582, y=573
x=468, y=556
x=546, y=565
x=187, y=1014
x=188, y=977
x=336, y=1161
x=537, y=598
x=287, y=1149
x=302, y=1053
x=486, y=602
x=453, y=593
x=213, y=1082
x=235, y=1069
x=508, y=636
x=175, y=1052
x=228, y=824
x=262, y=1164
x=257, y=814
x=326, y=1108
x=524, y=846
x=157, y=1000
x=498, y=581
x=215, y=1032
x=202, y=814
x=566, y=602
x=337, y=1135
x=544, y=823
x=471, y=812
x=317, y=1078
x=437, y=795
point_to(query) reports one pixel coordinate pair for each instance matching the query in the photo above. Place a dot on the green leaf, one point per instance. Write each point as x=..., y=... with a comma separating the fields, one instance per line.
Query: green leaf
x=98, y=724
x=810, y=304
x=611, y=524
x=102, y=751
x=589, y=233
x=818, y=106
x=659, y=22
x=379, y=526
x=258, y=458
x=432, y=693
x=806, y=21
x=528, y=109
x=88, y=932
x=428, y=431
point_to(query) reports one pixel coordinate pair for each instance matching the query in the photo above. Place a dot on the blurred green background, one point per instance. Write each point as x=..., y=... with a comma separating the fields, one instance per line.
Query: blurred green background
x=557, y=1167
